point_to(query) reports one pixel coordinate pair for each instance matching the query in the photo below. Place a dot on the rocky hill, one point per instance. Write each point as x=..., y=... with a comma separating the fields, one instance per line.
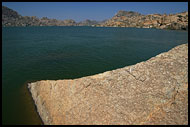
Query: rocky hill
x=87, y=23
x=128, y=14
x=177, y=21
x=151, y=92
x=12, y=18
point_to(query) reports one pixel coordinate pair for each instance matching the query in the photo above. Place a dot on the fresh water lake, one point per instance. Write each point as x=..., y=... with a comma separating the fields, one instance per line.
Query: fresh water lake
x=51, y=53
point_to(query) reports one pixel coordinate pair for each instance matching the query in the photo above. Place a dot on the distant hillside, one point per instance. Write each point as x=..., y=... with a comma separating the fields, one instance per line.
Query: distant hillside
x=12, y=18
x=123, y=18
x=88, y=23
x=177, y=21
x=127, y=14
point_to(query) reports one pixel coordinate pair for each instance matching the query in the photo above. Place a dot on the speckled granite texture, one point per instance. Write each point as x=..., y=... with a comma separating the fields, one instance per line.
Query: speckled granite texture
x=150, y=92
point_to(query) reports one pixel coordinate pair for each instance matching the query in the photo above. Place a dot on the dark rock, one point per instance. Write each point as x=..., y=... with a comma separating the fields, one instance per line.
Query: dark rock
x=127, y=13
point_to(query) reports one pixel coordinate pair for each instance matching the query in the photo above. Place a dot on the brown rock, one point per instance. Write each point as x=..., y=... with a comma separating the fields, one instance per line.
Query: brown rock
x=149, y=21
x=150, y=92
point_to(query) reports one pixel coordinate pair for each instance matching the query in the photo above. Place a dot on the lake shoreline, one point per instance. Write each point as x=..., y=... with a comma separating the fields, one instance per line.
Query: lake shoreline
x=101, y=27
x=33, y=102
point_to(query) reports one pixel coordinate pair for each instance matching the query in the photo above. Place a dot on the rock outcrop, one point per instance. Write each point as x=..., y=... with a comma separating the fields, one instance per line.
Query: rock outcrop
x=150, y=92
x=177, y=21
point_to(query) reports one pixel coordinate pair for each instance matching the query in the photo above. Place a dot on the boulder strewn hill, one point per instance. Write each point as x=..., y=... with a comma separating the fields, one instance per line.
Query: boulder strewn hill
x=177, y=21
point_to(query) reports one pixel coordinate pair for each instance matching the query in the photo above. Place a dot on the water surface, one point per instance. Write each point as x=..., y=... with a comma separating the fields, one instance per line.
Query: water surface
x=52, y=53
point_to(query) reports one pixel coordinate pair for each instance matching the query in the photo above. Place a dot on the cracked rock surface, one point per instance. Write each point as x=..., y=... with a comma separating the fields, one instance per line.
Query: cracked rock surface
x=150, y=92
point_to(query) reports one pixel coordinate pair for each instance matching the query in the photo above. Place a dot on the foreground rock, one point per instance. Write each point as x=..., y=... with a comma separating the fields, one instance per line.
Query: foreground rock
x=151, y=92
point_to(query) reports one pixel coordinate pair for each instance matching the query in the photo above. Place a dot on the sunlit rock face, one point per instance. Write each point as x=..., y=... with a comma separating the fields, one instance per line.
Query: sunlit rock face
x=177, y=21
x=150, y=92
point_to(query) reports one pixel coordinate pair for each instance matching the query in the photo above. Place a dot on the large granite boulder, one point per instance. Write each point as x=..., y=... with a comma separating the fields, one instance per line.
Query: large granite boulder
x=150, y=92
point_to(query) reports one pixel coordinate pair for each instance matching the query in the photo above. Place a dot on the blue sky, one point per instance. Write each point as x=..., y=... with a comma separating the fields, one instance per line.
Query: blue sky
x=92, y=10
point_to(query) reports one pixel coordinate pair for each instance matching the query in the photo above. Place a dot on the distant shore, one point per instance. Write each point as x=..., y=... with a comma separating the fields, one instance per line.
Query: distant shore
x=178, y=21
x=97, y=27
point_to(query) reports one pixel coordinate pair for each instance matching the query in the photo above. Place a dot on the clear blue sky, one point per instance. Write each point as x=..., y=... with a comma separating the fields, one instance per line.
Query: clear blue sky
x=92, y=10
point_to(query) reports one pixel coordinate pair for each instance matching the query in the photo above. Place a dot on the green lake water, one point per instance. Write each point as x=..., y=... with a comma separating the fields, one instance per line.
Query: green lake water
x=51, y=53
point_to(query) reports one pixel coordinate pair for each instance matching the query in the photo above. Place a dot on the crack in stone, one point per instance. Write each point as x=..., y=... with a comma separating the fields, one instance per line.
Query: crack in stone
x=88, y=85
x=135, y=76
x=175, y=94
